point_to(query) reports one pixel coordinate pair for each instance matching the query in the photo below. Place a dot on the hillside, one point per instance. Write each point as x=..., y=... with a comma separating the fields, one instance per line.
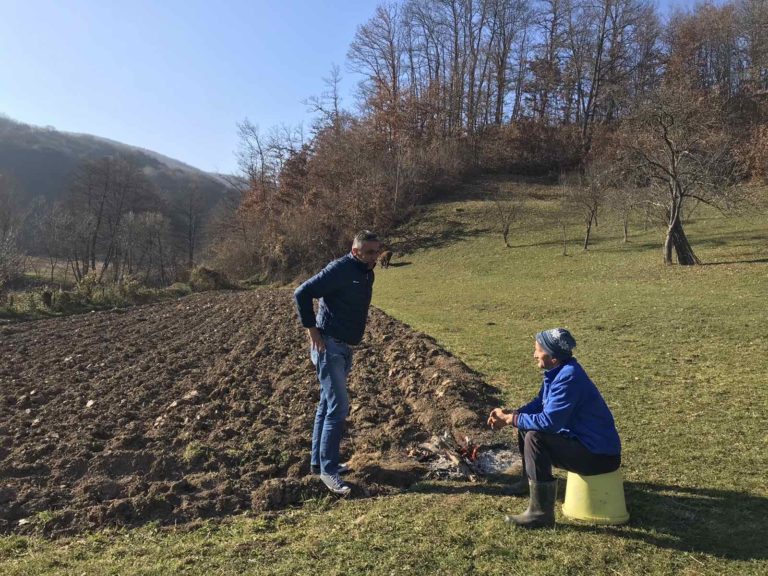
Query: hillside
x=43, y=160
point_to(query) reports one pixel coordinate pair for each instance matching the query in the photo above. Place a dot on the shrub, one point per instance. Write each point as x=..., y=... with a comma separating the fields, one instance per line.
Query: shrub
x=202, y=279
x=129, y=286
x=178, y=289
x=87, y=284
x=529, y=148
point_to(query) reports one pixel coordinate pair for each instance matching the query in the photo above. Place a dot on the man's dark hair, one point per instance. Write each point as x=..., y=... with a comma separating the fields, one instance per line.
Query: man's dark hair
x=364, y=236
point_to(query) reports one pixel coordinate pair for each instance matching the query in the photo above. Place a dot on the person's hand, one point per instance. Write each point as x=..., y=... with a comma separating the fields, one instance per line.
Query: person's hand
x=499, y=418
x=316, y=339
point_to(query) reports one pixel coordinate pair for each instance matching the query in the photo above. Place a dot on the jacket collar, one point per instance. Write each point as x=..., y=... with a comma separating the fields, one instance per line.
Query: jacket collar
x=362, y=266
x=552, y=372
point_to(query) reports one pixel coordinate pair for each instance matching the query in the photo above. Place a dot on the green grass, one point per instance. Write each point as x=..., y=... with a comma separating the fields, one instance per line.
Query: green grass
x=678, y=353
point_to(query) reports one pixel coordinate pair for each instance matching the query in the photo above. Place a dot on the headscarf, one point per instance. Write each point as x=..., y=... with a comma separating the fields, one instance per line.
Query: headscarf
x=557, y=342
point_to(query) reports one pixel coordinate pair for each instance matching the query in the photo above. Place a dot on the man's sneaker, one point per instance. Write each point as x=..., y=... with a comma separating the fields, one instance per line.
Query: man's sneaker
x=335, y=485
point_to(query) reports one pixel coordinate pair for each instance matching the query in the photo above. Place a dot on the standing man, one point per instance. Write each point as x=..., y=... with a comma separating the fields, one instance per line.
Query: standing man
x=568, y=425
x=344, y=289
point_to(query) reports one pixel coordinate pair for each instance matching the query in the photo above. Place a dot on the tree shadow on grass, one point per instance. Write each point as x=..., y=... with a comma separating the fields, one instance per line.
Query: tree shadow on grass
x=574, y=245
x=724, y=523
x=410, y=243
x=496, y=486
x=488, y=185
x=753, y=261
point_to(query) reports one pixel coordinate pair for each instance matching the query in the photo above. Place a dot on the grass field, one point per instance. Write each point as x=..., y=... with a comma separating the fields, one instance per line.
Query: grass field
x=678, y=353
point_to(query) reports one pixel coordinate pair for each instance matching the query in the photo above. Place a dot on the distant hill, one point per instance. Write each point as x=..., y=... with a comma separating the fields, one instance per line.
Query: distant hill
x=43, y=160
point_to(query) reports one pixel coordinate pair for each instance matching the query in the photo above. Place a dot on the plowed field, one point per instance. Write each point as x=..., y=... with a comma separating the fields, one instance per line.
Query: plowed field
x=203, y=407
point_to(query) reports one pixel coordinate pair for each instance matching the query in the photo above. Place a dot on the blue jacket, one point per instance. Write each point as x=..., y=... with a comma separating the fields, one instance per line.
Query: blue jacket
x=570, y=404
x=344, y=288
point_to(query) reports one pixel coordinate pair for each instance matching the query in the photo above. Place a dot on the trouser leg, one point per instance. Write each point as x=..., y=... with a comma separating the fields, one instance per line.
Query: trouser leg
x=542, y=451
x=317, y=431
x=332, y=365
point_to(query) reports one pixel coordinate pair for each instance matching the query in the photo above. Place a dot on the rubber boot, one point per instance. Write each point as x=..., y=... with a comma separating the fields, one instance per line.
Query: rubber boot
x=518, y=488
x=541, y=507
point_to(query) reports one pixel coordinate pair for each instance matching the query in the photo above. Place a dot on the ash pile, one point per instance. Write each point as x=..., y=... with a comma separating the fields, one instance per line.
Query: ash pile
x=447, y=459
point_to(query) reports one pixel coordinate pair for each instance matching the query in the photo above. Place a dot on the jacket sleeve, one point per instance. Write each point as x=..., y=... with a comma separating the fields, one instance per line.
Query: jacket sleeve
x=557, y=410
x=328, y=280
x=534, y=405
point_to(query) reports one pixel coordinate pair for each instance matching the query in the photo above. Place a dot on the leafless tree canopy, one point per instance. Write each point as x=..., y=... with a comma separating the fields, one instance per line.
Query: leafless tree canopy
x=112, y=224
x=451, y=87
x=677, y=142
x=11, y=218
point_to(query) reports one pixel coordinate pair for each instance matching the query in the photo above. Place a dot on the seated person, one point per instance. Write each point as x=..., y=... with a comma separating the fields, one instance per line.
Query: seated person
x=568, y=425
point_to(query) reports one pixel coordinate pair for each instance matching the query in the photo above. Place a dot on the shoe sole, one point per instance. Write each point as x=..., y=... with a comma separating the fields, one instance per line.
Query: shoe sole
x=340, y=493
x=529, y=524
x=343, y=491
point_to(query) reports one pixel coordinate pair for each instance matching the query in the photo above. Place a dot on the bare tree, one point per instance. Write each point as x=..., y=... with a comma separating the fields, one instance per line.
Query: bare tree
x=752, y=21
x=328, y=105
x=587, y=192
x=377, y=53
x=145, y=242
x=623, y=201
x=602, y=39
x=678, y=145
x=253, y=158
x=507, y=208
x=546, y=65
x=192, y=213
x=12, y=259
x=102, y=192
x=52, y=227
x=509, y=20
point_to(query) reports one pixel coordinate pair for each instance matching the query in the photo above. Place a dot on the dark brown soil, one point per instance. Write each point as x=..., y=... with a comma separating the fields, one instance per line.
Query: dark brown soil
x=203, y=407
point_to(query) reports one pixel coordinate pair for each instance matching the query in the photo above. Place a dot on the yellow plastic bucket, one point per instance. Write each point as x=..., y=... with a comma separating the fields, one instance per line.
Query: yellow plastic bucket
x=596, y=499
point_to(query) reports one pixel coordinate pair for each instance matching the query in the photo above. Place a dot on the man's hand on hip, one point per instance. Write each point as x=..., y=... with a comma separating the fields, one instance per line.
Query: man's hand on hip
x=316, y=339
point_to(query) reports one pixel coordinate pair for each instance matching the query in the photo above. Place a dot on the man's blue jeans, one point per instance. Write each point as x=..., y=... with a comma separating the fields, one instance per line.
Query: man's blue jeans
x=333, y=366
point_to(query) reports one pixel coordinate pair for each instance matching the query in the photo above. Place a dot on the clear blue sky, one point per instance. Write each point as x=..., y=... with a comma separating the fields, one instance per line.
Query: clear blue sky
x=174, y=76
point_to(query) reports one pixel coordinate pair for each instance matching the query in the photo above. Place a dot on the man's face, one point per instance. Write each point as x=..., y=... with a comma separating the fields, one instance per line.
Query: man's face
x=543, y=360
x=368, y=252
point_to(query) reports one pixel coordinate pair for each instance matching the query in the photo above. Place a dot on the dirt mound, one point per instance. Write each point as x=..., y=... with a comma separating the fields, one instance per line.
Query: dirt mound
x=203, y=407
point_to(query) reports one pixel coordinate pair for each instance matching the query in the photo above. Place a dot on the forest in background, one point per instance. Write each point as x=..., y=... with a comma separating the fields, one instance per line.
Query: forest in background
x=76, y=207
x=626, y=110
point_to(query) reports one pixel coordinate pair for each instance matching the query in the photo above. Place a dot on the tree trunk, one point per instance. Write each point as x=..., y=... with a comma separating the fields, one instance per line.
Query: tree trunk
x=565, y=240
x=191, y=233
x=677, y=240
x=397, y=181
x=625, y=225
x=162, y=261
x=589, y=230
x=75, y=264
